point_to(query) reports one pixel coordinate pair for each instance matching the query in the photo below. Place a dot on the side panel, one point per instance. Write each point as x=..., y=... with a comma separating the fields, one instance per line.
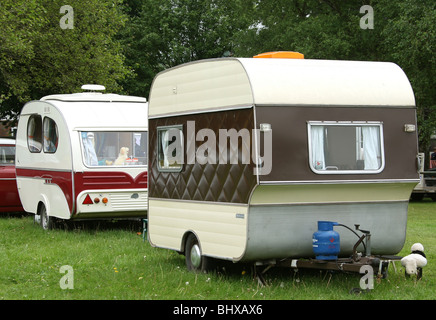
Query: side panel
x=209, y=200
x=37, y=190
x=290, y=150
x=285, y=231
x=215, y=182
x=282, y=219
x=44, y=176
x=127, y=195
x=221, y=229
x=285, y=207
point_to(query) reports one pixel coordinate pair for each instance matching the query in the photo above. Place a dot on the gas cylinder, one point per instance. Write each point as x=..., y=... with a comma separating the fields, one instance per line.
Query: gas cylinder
x=325, y=241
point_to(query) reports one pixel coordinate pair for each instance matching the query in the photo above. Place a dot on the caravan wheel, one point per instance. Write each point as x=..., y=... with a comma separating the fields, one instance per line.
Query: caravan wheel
x=195, y=261
x=47, y=222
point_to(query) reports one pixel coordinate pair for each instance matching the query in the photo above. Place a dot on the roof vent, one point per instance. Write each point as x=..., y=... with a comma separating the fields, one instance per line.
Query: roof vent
x=93, y=87
x=281, y=54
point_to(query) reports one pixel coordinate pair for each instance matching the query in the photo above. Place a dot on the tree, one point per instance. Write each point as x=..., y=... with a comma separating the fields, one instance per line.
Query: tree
x=20, y=25
x=320, y=29
x=167, y=33
x=39, y=57
x=410, y=41
x=404, y=32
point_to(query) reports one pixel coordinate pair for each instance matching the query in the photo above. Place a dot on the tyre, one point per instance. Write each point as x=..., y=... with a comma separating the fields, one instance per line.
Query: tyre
x=46, y=221
x=195, y=260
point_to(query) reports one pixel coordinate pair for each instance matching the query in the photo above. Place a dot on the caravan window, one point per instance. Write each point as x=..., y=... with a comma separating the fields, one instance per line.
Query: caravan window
x=170, y=148
x=107, y=148
x=50, y=135
x=34, y=133
x=346, y=147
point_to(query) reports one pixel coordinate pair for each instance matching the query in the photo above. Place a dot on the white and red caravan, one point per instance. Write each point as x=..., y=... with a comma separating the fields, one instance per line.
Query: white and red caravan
x=68, y=160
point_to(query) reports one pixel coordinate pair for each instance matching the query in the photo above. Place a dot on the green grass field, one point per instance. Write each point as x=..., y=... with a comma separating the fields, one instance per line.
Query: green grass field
x=110, y=261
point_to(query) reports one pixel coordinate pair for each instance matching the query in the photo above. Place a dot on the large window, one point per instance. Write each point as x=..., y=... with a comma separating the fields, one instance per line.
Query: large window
x=170, y=148
x=346, y=147
x=110, y=148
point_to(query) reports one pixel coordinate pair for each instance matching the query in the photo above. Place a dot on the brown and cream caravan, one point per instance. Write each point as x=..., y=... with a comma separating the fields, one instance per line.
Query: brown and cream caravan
x=247, y=154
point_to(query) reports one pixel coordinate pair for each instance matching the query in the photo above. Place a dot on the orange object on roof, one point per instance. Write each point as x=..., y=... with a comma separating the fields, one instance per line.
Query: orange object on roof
x=281, y=54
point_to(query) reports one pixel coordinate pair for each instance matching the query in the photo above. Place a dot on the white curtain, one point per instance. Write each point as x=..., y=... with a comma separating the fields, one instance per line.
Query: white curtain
x=318, y=160
x=371, y=147
x=164, y=142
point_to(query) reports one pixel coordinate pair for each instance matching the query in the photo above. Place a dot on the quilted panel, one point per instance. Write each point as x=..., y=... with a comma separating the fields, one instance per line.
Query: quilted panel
x=220, y=182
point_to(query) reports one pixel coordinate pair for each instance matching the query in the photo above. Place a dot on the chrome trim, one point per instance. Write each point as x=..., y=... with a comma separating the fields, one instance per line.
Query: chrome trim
x=199, y=111
x=303, y=182
x=200, y=202
x=323, y=203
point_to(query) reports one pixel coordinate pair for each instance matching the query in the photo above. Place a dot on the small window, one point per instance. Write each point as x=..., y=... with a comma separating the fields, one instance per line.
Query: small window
x=114, y=148
x=34, y=133
x=346, y=147
x=170, y=148
x=51, y=135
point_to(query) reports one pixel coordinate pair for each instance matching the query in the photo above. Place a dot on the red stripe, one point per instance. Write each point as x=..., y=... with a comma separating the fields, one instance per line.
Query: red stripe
x=89, y=180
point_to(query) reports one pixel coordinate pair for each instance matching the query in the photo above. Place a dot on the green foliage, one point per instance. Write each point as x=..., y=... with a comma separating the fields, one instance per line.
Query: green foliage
x=410, y=41
x=404, y=32
x=38, y=57
x=123, y=44
x=166, y=33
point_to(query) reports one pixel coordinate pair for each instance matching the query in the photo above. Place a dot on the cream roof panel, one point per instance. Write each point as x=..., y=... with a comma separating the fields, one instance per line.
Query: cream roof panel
x=200, y=86
x=223, y=83
x=326, y=82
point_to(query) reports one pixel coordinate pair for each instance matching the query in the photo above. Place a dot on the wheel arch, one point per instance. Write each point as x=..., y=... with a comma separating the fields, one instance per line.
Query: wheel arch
x=43, y=201
x=185, y=238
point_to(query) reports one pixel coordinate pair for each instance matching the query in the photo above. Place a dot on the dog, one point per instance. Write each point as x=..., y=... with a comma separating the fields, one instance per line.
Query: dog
x=415, y=261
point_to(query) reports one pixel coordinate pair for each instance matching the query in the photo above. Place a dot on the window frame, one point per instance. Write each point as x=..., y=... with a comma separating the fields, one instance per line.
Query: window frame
x=45, y=142
x=112, y=165
x=179, y=166
x=354, y=124
x=38, y=130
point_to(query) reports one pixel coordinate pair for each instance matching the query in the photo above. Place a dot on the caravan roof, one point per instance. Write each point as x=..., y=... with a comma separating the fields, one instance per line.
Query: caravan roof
x=228, y=82
x=94, y=96
x=97, y=110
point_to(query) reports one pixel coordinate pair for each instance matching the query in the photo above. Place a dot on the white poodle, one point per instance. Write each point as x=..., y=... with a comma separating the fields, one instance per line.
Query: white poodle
x=415, y=261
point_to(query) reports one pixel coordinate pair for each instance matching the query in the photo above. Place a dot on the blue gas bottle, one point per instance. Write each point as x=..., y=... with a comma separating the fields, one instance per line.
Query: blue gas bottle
x=325, y=241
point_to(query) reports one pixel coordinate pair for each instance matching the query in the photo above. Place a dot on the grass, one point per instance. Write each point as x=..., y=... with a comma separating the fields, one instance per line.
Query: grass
x=110, y=261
